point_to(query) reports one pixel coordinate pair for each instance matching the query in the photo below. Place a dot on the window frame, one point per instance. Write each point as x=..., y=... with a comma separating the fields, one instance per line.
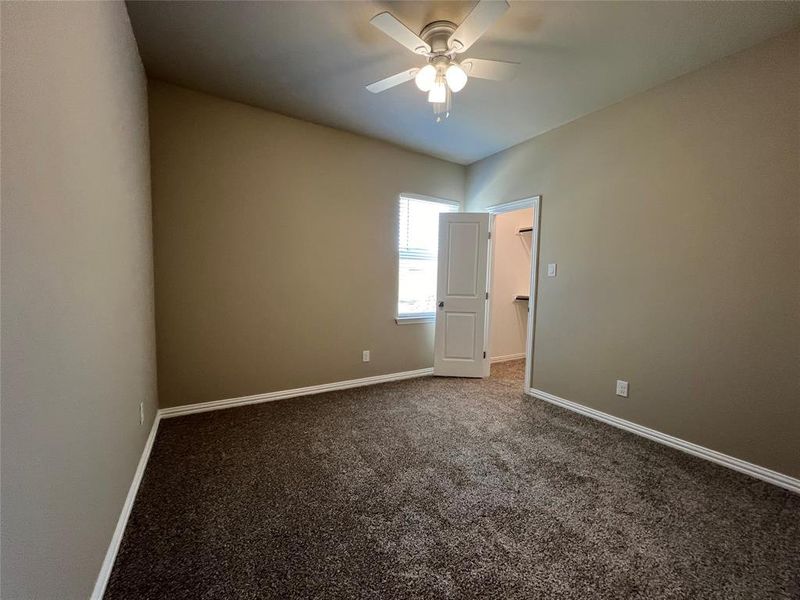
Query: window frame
x=411, y=318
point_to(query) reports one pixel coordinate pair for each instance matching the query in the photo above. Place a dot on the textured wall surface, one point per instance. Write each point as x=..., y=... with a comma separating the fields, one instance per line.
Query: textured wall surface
x=78, y=341
x=674, y=217
x=276, y=249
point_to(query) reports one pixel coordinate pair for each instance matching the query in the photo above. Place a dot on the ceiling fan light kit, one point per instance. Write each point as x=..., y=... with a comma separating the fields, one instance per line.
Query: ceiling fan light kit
x=441, y=42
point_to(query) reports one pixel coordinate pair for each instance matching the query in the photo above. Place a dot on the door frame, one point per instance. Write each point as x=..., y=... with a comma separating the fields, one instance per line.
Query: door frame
x=534, y=202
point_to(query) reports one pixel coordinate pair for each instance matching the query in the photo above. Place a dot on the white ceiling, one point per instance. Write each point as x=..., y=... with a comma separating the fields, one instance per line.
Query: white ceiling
x=311, y=60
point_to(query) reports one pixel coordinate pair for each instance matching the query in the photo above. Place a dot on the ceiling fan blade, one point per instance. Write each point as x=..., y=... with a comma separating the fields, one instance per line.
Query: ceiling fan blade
x=390, y=82
x=490, y=69
x=399, y=33
x=485, y=13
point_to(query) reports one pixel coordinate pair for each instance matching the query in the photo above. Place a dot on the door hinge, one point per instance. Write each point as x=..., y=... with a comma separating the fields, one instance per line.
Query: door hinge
x=484, y=354
x=490, y=235
x=487, y=295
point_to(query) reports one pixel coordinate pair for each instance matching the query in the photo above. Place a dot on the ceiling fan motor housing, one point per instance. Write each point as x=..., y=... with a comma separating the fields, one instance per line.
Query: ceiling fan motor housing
x=436, y=35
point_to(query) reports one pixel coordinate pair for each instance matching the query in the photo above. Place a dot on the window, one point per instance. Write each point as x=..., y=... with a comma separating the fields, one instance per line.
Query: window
x=418, y=249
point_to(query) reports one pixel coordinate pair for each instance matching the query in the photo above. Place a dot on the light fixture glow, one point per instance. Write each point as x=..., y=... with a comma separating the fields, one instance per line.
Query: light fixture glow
x=438, y=92
x=425, y=78
x=456, y=77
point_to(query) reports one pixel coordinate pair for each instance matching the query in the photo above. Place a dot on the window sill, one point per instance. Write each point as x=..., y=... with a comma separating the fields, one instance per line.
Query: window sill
x=412, y=320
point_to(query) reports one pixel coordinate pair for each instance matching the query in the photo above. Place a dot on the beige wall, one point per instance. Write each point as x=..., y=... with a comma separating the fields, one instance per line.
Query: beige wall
x=78, y=339
x=674, y=217
x=276, y=249
x=511, y=275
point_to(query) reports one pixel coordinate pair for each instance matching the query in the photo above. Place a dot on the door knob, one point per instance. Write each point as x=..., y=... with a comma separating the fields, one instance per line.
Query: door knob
x=441, y=304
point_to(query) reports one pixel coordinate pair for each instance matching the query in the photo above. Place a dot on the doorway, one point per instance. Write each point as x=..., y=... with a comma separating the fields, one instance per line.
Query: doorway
x=512, y=280
x=465, y=275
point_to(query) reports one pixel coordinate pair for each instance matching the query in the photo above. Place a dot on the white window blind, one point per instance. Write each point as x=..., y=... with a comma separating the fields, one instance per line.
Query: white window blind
x=418, y=249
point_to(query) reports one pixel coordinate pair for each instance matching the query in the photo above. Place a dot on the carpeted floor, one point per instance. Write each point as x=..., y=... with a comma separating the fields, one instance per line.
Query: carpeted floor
x=444, y=488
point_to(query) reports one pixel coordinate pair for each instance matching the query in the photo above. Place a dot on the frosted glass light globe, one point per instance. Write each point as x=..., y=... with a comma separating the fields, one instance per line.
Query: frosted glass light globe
x=456, y=77
x=425, y=78
x=438, y=92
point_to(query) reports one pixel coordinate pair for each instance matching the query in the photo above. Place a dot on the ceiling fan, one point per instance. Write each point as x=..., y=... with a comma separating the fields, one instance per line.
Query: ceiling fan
x=441, y=42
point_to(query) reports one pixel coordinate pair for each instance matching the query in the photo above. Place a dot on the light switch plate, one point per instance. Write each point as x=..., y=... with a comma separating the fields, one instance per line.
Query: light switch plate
x=365, y=356
x=552, y=268
x=622, y=388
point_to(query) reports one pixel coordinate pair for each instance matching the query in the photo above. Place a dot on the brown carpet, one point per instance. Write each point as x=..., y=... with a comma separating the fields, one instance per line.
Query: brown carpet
x=444, y=488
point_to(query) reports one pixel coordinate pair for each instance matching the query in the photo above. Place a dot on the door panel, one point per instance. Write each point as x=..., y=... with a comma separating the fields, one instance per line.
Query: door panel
x=459, y=341
x=459, y=348
x=463, y=243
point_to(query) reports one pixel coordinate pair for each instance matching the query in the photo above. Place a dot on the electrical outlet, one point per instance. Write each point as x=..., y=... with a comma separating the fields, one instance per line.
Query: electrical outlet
x=141, y=413
x=365, y=356
x=552, y=269
x=622, y=388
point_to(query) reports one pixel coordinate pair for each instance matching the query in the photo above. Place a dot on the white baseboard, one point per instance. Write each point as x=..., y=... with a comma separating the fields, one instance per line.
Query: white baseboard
x=189, y=409
x=736, y=464
x=762, y=473
x=122, y=522
x=507, y=357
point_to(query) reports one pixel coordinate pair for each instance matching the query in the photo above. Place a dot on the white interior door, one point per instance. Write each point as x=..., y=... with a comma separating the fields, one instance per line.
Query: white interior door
x=459, y=347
